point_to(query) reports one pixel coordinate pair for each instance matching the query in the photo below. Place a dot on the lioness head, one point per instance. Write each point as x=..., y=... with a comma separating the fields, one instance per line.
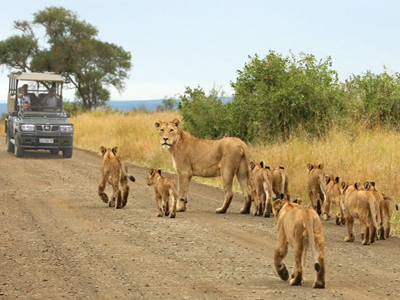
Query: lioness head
x=168, y=132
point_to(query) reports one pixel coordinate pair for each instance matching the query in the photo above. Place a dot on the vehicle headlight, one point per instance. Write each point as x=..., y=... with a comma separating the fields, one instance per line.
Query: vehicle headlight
x=66, y=128
x=28, y=127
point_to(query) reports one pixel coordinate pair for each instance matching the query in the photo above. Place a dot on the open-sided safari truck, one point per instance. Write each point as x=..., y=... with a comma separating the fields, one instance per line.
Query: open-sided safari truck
x=38, y=125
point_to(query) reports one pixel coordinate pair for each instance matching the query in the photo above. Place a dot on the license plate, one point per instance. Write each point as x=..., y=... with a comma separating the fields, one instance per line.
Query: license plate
x=46, y=141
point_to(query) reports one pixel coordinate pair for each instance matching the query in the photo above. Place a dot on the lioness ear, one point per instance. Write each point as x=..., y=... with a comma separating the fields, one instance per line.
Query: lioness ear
x=157, y=123
x=175, y=122
x=114, y=150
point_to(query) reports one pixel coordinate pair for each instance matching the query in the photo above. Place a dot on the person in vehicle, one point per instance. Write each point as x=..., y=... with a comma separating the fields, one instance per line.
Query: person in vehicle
x=51, y=98
x=23, y=97
x=26, y=106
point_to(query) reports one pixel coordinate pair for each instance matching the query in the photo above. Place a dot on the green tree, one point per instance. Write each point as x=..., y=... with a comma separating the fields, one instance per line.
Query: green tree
x=277, y=96
x=204, y=116
x=72, y=49
x=375, y=97
x=167, y=104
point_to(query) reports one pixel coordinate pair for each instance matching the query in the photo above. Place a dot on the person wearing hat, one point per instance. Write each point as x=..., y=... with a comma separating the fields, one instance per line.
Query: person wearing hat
x=24, y=97
x=51, y=99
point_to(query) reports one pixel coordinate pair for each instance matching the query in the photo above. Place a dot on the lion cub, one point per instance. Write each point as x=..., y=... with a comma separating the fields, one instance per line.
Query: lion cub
x=359, y=204
x=114, y=172
x=261, y=189
x=165, y=188
x=300, y=228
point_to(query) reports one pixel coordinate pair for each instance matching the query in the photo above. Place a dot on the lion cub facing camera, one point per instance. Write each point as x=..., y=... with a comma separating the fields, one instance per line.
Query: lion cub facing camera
x=165, y=188
x=300, y=227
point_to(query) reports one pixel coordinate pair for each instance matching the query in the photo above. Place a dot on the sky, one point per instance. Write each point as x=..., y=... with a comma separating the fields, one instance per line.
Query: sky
x=179, y=43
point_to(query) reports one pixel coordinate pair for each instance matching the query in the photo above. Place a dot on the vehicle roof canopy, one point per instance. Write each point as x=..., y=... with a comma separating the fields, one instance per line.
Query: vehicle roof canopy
x=36, y=76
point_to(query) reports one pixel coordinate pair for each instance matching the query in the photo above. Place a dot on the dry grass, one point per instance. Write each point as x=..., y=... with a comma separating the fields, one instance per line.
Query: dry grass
x=354, y=154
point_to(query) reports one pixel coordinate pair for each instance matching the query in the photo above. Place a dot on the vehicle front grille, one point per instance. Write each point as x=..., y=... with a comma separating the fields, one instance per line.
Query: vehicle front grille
x=47, y=128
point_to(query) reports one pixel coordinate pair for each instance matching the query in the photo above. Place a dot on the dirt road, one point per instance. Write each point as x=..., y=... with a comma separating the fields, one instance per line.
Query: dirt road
x=59, y=241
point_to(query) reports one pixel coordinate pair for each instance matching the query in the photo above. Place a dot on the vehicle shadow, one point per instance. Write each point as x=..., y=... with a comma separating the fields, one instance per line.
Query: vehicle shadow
x=41, y=154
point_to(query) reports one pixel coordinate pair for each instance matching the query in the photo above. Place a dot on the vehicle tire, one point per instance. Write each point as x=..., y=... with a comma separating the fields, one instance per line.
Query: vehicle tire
x=54, y=151
x=67, y=153
x=9, y=145
x=18, y=151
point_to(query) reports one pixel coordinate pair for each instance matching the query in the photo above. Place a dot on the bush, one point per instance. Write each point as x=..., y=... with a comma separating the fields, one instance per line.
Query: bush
x=277, y=96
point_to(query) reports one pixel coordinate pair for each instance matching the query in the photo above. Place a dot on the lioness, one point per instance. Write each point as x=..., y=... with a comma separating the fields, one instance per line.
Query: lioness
x=316, y=185
x=114, y=172
x=261, y=188
x=300, y=228
x=193, y=156
x=165, y=189
x=279, y=180
x=359, y=204
x=333, y=196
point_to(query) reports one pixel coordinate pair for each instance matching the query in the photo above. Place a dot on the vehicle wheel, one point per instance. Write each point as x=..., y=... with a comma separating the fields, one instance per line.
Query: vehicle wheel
x=9, y=145
x=18, y=151
x=54, y=151
x=67, y=153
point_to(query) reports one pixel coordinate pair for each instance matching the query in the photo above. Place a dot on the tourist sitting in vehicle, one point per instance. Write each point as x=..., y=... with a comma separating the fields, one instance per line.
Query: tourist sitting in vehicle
x=26, y=106
x=51, y=99
x=23, y=97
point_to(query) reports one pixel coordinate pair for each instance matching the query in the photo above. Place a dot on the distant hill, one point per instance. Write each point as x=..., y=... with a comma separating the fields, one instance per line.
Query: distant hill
x=150, y=105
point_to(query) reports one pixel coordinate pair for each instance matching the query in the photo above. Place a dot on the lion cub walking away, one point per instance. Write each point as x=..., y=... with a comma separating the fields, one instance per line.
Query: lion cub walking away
x=316, y=185
x=359, y=204
x=279, y=180
x=300, y=228
x=333, y=196
x=165, y=189
x=114, y=172
x=261, y=190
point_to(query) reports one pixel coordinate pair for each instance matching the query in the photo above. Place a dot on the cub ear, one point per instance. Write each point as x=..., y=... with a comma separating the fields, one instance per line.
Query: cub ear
x=103, y=150
x=267, y=167
x=159, y=171
x=152, y=172
x=115, y=150
x=321, y=166
x=175, y=122
x=372, y=183
x=343, y=185
x=299, y=201
x=327, y=179
x=282, y=167
x=337, y=179
x=310, y=166
x=157, y=123
x=277, y=205
x=252, y=165
x=262, y=164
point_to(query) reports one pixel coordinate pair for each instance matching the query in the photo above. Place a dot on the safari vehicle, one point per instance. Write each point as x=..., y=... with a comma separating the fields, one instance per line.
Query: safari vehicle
x=39, y=126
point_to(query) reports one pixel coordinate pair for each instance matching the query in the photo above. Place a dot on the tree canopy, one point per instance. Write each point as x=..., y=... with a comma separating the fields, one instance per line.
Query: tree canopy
x=72, y=49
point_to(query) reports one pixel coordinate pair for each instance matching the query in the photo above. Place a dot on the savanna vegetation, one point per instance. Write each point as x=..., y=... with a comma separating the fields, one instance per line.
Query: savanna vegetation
x=290, y=110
